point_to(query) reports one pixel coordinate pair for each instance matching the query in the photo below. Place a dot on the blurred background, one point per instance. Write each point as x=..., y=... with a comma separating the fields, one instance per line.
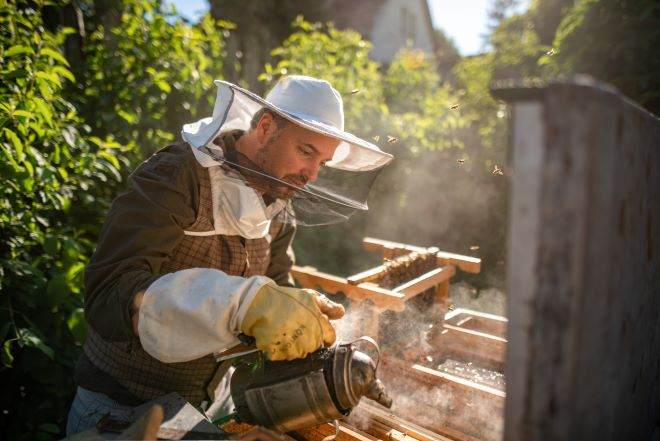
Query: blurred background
x=91, y=88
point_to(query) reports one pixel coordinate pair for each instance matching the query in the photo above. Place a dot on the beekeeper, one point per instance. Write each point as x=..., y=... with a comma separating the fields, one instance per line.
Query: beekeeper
x=197, y=250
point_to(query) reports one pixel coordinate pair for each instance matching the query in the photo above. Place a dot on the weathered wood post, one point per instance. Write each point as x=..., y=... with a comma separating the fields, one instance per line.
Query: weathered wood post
x=583, y=359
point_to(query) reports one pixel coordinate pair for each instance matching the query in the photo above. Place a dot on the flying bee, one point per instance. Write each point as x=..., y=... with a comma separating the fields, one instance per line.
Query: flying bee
x=497, y=170
x=376, y=138
x=454, y=107
x=474, y=247
x=551, y=52
x=461, y=161
x=355, y=91
x=392, y=139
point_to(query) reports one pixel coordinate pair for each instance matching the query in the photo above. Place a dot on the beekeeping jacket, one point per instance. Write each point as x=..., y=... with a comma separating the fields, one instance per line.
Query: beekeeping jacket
x=168, y=237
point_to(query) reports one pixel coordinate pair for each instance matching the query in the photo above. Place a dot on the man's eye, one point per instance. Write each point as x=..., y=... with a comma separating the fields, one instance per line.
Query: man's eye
x=305, y=152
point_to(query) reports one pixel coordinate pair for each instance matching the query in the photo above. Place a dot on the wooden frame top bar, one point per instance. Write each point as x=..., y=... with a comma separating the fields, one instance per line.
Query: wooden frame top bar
x=391, y=250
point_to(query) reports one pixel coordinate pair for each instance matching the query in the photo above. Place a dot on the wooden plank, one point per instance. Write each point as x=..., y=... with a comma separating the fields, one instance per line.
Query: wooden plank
x=310, y=277
x=468, y=264
x=441, y=296
x=479, y=321
x=387, y=433
x=425, y=281
x=383, y=299
x=355, y=433
x=474, y=333
x=485, y=350
x=346, y=433
x=391, y=421
x=368, y=275
x=462, y=383
x=447, y=404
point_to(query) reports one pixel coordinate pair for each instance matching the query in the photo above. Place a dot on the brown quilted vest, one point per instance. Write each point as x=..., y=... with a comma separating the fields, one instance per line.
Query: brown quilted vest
x=129, y=364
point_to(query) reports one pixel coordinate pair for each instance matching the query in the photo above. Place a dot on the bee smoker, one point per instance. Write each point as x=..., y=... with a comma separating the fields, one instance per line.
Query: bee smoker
x=289, y=395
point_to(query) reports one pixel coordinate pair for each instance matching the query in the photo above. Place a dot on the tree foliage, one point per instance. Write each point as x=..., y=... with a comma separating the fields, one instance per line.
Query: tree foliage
x=150, y=75
x=616, y=41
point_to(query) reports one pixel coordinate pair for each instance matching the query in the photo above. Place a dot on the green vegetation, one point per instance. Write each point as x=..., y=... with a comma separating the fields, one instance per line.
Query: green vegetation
x=74, y=122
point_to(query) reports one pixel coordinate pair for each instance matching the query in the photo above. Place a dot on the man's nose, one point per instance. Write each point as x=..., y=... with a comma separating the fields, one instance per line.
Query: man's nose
x=312, y=172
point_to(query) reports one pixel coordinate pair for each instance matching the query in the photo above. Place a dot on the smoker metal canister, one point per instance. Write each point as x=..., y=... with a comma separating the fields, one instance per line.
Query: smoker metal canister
x=289, y=395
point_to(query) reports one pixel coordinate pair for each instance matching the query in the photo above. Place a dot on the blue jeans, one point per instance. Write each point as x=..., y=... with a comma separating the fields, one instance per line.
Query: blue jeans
x=88, y=407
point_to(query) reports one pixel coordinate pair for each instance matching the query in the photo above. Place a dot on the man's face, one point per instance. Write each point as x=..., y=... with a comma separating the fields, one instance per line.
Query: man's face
x=294, y=155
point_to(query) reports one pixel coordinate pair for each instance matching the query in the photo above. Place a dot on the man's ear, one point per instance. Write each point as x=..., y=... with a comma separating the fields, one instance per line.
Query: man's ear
x=266, y=127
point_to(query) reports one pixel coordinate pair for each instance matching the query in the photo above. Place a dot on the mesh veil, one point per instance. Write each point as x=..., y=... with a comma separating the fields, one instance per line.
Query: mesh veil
x=333, y=197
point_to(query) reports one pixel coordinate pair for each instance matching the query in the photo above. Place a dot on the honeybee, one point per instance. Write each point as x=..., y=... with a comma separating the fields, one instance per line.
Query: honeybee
x=454, y=107
x=551, y=52
x=461, y=161
x=474, y=247
x=392, y=139
x=376, y=138
x=497, y=170
x=355, y=91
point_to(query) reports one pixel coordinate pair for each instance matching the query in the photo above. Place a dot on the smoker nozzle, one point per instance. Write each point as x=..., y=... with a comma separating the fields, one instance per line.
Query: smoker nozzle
x=377, y=393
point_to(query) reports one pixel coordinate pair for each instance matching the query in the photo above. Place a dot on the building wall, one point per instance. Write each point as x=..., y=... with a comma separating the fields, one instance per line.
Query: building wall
x=397, y=23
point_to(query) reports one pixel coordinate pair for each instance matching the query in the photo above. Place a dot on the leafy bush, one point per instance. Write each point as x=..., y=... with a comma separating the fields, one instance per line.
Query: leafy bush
x=150, y=75
x=54, y=172
x=65, y=149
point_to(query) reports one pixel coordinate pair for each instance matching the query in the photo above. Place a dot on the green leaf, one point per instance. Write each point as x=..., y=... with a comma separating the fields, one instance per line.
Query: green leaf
x=78, y=325
x=18, y=50
x=164, y=86
x=16, y=143
x=129, y=117
x=112, y=145
x=6, y=355
x=63, y=72
x=45, y=110
x=55, y=55
x=74, y=276
x=52, y=78
x=45, y=91
x=29, y=338
x=22, y=113
x=110, y=158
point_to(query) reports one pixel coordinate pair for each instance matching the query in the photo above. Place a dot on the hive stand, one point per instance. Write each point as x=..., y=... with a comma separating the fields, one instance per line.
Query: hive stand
x=370, y=299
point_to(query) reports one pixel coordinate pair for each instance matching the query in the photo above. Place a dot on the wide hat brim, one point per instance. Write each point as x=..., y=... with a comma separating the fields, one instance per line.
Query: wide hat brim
x=235, y=107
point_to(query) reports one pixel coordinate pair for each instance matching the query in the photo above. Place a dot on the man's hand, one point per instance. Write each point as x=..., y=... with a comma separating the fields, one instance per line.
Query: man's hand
x=289, y=323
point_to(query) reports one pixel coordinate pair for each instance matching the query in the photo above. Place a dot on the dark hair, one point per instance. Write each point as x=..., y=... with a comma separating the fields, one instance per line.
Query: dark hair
x=280, y=121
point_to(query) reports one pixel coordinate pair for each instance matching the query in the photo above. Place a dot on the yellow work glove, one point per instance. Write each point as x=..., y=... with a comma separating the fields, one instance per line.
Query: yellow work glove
x=289, y=323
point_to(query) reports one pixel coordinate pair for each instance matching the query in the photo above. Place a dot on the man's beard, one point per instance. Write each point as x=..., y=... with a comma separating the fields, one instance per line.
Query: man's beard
x=270, y=187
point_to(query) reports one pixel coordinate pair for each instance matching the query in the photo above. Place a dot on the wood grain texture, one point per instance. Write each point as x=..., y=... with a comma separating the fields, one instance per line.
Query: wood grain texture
x=584, y=301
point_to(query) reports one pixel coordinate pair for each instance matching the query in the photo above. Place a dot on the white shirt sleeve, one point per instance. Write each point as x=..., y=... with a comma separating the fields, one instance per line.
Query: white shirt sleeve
x=194, y=312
